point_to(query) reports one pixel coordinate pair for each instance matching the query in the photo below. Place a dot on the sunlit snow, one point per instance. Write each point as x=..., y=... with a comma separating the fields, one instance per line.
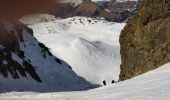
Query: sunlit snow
x=90, y=46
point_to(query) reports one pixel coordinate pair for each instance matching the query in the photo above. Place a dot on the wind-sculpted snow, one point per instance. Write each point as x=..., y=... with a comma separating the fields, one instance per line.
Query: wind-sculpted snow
x=28, y=65
x=154, y=85
x=90, y=46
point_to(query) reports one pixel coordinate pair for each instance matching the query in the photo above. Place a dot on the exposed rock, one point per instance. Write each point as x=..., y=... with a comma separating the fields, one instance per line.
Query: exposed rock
x=10, y=45
x=118, y=11
x=110, y=10
x=37, y=18
x=145, y=41
x=30, y=62
x=62, y=10
x=72, y=2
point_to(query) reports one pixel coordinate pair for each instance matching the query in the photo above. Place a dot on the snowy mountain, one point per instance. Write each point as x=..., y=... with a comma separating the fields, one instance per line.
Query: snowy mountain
x=90, y=46
x=28, y=65
x=74, y=2
x=111, y=10
x=79, y=1
x=80, y=53
x=37, y=18
x=77, y=38
x=20, y=65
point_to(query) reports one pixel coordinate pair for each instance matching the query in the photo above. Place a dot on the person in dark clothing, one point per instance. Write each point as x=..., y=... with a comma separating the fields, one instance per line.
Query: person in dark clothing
x=104, y=82
x=113, y=81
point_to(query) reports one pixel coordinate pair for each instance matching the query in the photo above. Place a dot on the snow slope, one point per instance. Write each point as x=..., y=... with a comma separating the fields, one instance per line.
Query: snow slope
x=54, y=74
x=90, y=46
x=154, y=85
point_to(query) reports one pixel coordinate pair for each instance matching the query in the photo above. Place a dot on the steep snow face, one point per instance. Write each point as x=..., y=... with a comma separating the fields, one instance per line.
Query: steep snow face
x=27, y=65
x=90, y=46
x=154, y=85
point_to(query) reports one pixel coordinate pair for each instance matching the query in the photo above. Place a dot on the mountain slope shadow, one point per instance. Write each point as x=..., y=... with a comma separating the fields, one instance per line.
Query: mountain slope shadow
x=27, y=65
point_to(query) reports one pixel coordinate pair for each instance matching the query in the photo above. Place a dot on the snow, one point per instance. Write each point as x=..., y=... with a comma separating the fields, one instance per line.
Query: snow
x=55, y=76
x=90, y=46
x=5, y=62
x=107, y=10
x=153, y=85
x=125, y=0
x=77, y=2
x=16, y=58
x=37, y=18
x=110, y=0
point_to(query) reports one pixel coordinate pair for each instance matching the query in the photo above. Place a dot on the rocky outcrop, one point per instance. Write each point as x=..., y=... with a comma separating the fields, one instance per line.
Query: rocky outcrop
x=37, y=18
x=62, y=10
x=10, y=40
x=145, y=40
x=86, y=8
x=118, y=11
x=111, y=11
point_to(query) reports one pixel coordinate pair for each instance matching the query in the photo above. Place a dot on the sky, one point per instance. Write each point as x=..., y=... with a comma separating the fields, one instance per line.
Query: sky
x=18, y=8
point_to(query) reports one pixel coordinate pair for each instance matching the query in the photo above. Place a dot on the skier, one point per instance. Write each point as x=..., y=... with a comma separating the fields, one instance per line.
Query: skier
x=113, y=81
x=104, y=82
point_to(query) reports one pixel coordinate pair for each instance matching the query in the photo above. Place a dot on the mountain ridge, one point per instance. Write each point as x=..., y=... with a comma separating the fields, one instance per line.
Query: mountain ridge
x=28, y=65
x=117, y=11
x=145, y=39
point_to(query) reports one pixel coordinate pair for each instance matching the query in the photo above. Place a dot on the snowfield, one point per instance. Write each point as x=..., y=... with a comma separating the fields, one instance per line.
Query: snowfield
x=154, y=85
x=54, y=73
x=90, y=46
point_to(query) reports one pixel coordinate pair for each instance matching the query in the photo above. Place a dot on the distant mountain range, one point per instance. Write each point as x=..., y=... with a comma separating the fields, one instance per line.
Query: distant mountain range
x=111, y=10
